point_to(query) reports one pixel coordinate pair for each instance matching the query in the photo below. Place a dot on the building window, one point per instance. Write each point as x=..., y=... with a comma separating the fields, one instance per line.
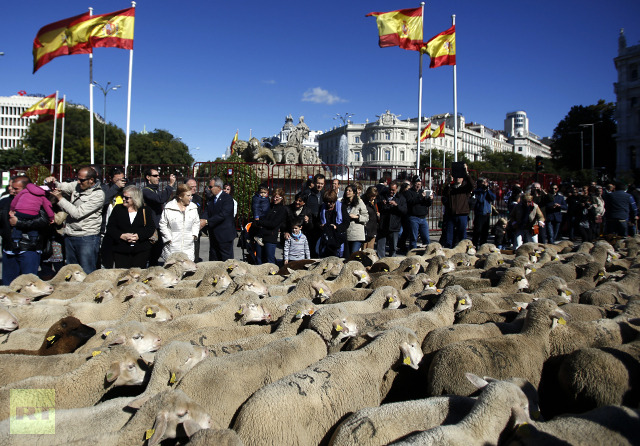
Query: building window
x=356, y=156
x=402, y=136
x=387, y=155
x=402, y=155
x=633, y=72
x=357, y=139
x=519, y=149
x=387, y=136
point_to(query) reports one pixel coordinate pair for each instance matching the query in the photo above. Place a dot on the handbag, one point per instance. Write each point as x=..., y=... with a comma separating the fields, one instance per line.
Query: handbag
x=535, y=229
x=154, y=237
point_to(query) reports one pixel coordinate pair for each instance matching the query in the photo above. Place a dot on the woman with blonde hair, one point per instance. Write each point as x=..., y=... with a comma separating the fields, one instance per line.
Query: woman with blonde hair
x=180, y=224
x=130, y=226
x=526, y=219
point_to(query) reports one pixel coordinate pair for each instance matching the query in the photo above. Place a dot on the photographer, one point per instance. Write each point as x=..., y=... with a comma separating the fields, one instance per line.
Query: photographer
x=456, y=206
x=392, y=207
x=482, y=211
x=418, y=202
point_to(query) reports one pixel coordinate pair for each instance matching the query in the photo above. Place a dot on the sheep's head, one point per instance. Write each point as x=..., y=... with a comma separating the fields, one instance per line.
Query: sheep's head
x=65, y=336
x=31, y=285
x=161, y=278
x=508, y=393
x=156, y=311
x=344, y=327
x=464, y=303
x=131, y=276
x=105, y=293
x=302, y=307
x=251, y=312
x=133, y=334
x=177, y=358
x=73, y=273
x=393, y=300
x=362, y=276
x=322, y=290
x=186, y=265
x=126, y=371
x=174, y=408
x=11, y=298
x=253, y=285
x=411, y=353
x=8, y=321
x=134, y=291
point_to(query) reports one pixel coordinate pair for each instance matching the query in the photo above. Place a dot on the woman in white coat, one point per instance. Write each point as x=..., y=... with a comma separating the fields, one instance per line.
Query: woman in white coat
x=180, y=224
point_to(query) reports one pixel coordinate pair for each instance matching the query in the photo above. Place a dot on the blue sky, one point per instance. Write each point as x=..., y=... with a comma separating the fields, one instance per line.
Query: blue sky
x=203, y=69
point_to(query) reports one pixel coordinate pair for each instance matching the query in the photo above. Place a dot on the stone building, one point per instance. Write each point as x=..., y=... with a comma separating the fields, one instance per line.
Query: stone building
x=627, y=114
x=12, y=126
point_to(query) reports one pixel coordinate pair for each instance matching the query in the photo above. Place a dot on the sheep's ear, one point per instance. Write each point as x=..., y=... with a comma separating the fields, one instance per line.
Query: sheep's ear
x=107, y=332
x=190, y=427
x=476, y=380
x=117, y=341
x=113, y=372
x=170, y=262
x=128, y=297
x=139, y=402
x=374, y=334
x=159, y=428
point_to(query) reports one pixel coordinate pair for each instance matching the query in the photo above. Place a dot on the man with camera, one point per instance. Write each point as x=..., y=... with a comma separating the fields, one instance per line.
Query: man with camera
x=482, y=211
x=455, y=198
x=418, y=202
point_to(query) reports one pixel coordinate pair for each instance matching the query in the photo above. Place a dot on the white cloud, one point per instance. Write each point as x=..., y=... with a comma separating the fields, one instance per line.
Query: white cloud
x=320, y=96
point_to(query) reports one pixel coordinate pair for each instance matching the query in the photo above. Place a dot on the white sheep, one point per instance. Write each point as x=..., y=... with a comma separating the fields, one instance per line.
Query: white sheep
x=131, y=333
x=8, y=322
x=9, y=298
x=303, y=407
x=31, y=286
x=69, y=273
x=18, y=367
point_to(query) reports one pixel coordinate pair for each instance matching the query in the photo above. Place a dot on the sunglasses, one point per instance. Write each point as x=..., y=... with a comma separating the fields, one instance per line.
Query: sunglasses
x=82, y=180
x=124, y=197
x=157, y=175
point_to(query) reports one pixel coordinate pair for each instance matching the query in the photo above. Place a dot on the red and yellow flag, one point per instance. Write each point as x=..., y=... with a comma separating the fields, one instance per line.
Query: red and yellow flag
x=53, y=40
x=233, y=143
x=113, y=30
x=438, y=132
x=44, y=107
x=401, y=28
x=442, y=48
x=426, y=133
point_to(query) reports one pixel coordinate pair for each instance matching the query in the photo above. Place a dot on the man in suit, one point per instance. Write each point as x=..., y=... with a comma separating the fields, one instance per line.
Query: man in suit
x=220, y=221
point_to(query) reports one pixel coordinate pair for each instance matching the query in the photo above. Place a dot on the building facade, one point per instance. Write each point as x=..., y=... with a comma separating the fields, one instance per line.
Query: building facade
x=627, y=113
x=12, y=127
x=390, y=142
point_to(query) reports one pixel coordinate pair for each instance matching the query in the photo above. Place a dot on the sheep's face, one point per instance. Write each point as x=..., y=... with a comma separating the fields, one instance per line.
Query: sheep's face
x=182, y=356
x=392, y=300
x=322, y=290
x=11, y=298
x=447, y=267
x=363, y=277
x=253, y=313
x=156, y=311
x=471, y=250
x=162, y=279
x=105, y=295
x=144, y=341
x=76, y=275
x=521, y=282
x=464, y=303
x=221, y=281
x=131, y=276
x=254, y=286
x=411, y=353
x=182, y=411
x=187, y=266
x=8, y=321
x=344, y=327
x=126, y=372
x=306, y=308
x=36, y=288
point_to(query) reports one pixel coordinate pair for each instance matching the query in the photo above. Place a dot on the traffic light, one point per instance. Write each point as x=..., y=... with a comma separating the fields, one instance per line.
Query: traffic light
x=539, y=163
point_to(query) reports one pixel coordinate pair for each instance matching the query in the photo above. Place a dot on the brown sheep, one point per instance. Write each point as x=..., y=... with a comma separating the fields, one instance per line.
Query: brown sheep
x=65, y=336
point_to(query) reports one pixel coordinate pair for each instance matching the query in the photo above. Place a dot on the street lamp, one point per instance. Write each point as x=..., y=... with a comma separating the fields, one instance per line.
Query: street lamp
x=345, y=152
x=105, y=91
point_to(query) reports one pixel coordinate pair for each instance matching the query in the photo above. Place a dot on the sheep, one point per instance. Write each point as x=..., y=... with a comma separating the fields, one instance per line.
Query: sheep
x=16, y=367
x=612, y=292
x=334, y=324
x=157, y=419
x=85, y=385
x=180, y=265
x=240, y=268
x=352, y=274
x=328, y=267
x=511, y=281
x=69, y=274
x=566, y=271
x=443, y=336
x=30, y=285
x=611, y=425
x=158, y=277
x=64, y=336
x=311, y=286
x=10, y=298
x=67, y=293
x=214, y=283
x=295, y=265
x=438, y=266
x=596, y=377
x=131, y=333
x=375, y=302
x=219, y=437
x=118, y=276
x=302, y=408
x=277, y=359
x=499, y=404
x=8, y=321
x=520, y=354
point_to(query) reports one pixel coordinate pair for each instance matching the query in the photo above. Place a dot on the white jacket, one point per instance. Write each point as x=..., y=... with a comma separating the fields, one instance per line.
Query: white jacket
x=179, y=228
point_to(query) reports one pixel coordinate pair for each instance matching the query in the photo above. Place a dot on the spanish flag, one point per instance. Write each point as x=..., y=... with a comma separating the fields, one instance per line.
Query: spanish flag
x=426, y=133
x=233, y=143
x=53, y=40
x=442, y=48
x=438, y=132
x=44, y=109
x=401, y=28
x=113, y=30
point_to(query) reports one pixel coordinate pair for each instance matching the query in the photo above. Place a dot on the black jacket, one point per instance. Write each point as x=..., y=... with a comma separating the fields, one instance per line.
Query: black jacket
x=391, y=216
x=40, y=223
x=119, y=223
x=417, y=204
x=271, y=223
x=156, y=199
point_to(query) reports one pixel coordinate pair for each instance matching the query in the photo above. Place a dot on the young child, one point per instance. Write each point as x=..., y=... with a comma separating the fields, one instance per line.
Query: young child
x=296, y=247
x=499, y=233
x=27, y=204
x=260, y=205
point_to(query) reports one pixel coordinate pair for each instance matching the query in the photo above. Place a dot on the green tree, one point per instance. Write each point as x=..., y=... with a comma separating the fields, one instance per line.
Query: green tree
x=566, y=148
x=20, y=156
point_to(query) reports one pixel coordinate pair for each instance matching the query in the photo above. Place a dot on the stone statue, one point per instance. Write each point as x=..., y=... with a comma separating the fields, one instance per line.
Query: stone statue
x=252, y=151
x=298, y=134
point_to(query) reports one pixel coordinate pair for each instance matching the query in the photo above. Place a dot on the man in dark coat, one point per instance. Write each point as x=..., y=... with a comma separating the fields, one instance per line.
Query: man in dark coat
x=220, y=222
x=392, y=208
x=455, y=197
x=619, y=209
x=418, y=203
x=156, y=199
x=314, y=203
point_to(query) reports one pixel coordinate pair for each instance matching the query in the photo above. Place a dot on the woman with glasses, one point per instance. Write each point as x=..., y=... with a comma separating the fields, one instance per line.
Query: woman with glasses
x=180, y=224
x=130, y=226
x=269, y=227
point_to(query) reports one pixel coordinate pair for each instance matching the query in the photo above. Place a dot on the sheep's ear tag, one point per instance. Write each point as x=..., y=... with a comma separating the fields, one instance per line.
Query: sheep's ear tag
x=320, y=291
x=67, y=277
x=52, y=339
x=438, y=290
x=431, y=284
x=149, y=312
x=561, y=304
x=215, y=281
x=272, y=272
x=97, y=297
x=407, y=360
x=107, y=333
x=568, y=293
x=385, y=270
x=298, y=313
x=148, y=433
x=561, y=321
x=145, y=281
x=95, y=353
x=239, y=311
x=173, y=378
x=391, y=300
x=533, y=270
x=338, y=327
x=462, y=301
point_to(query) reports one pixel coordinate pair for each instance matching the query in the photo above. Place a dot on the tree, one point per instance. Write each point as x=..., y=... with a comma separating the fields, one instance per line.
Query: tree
x=566, y=149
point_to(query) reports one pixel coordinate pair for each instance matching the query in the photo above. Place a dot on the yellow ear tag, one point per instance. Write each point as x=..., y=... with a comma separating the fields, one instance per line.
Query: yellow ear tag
x=407, y=360
x=533, y=270
x=568, y=293
x=463, y=302
x=173, y=378
x=148, y=433
x=385, y=270
x=97, y=296
x=108, y=333
x=149, y=312
x=272, y=272
x=320, y=291
x=561, y=321
x=51, y=339
x=561, y=304
x=239, y=311
x=215, y=281
x=338, y=327
x=67, y=277
x=298, y=313
x=95, y=353
x=145, y=281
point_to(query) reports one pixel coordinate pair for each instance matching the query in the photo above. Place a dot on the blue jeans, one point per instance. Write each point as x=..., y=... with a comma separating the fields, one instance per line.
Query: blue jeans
x=455, y=230
x=382, y=244
x=15, y=264
x=553, y=229
x=83, y=251
x=268, y=251
x=418, y=225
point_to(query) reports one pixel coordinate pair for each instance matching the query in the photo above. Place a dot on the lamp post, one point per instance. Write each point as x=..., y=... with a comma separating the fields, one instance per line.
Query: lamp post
x=105, y=91
x=345, y=153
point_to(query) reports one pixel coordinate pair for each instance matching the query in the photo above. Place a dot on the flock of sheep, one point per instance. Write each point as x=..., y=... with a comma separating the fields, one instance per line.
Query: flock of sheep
x=443, y=346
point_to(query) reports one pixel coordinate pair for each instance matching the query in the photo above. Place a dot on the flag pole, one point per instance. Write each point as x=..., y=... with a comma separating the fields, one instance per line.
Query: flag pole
x=420, y=100
x=455, y=102
x=64, y=114
x=91, y=102
x=126, y=145
x=55, y=122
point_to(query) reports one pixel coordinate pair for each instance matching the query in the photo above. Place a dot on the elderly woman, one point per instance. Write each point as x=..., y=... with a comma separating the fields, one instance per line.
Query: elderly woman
x=180, y=224
x=130, y=226
x=526, y=219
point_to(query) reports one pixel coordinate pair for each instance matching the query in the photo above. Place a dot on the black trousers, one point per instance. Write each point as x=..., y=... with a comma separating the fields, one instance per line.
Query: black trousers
x=220, y=250
x=480, y=229
x=133, y=260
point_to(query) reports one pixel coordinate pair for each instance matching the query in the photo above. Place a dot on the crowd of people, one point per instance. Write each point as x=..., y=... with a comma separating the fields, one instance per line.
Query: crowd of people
x=124, y=225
